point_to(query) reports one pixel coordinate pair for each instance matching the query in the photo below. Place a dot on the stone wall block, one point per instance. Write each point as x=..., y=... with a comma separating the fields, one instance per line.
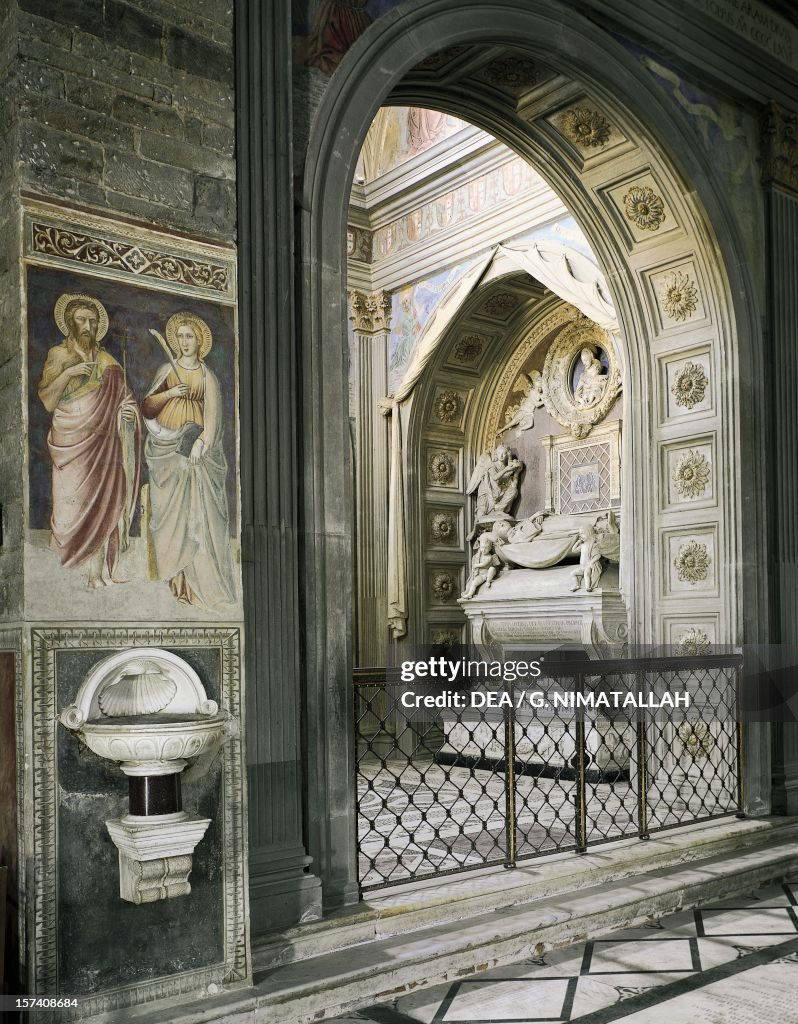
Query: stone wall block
x=46, y=153
x=215, y=205
x=70, y=118
x=83, y=14
x=192, y=129
x=182, y=154
x=209, y=111
x=218, y=11
x=87, y=93
x=219, y=137
x=145, y=115
x=37, y=79
x=192, y=53
x=130, y=28
x=147, y=180
x=121, y=79
x=98, y=53
x=202, y=18
x=54, y=33
x=183, y=86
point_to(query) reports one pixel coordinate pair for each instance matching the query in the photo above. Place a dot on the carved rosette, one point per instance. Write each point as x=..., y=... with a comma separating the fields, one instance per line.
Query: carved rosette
x=586, y=128
x=468, y=349
x=444, y=587
x=512, y=72
x=694, y=642
x=558, y=394
x=691, y=475
x=443, y=528
x=689, y=385
x=679, y=297
x=370, y=313
x=644, y=207
x=696, y=739
x=449, y=406
x=692, y=562
x=441, y=469
x=501, y=305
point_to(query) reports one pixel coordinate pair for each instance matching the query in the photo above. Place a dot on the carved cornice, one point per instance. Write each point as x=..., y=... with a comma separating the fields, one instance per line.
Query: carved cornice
x=370, y=313
x=780, y=147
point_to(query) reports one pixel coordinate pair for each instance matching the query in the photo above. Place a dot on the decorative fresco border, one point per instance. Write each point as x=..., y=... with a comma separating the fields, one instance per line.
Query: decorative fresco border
x=43, y=971
x=80, y=239
x=11, y=641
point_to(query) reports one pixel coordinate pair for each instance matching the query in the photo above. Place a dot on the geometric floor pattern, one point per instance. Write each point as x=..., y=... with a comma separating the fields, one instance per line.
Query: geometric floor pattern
x=732, y=962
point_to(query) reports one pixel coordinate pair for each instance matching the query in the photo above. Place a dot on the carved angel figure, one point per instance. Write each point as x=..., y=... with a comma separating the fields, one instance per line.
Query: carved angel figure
x=495, y=481
x=524, y=416
x=484, y=567
x=597, y=543
x=593, y=381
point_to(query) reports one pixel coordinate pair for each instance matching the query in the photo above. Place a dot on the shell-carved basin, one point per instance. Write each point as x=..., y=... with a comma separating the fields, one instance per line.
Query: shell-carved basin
x=154, y=744
x=147, y=710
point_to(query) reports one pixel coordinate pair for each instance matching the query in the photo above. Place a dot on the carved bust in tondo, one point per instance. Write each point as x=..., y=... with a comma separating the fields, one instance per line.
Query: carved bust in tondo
x=592, y=382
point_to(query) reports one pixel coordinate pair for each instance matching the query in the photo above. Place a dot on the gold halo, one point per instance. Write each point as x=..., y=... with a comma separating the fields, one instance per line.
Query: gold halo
x=201, y=329
x=63, y=302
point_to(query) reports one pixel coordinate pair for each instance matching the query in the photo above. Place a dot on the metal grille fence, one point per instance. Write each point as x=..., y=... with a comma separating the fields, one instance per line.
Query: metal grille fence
x=448, y=790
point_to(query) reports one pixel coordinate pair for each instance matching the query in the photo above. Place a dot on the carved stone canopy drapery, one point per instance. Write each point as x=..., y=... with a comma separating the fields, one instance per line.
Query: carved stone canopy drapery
x=370, y=313
x=579, y=388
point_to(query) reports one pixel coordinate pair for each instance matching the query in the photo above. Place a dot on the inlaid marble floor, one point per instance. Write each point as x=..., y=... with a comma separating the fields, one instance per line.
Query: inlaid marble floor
x=733, y=962
x=419, y=818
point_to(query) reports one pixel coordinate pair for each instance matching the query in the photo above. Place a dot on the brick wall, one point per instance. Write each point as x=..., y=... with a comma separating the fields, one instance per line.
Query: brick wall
x=129, y=107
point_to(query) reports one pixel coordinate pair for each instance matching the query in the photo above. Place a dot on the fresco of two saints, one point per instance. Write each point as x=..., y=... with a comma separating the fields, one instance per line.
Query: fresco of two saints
x=158, y=456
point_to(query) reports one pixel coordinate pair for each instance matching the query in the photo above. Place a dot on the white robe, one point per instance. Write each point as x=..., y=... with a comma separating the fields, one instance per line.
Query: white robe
x=189, y=523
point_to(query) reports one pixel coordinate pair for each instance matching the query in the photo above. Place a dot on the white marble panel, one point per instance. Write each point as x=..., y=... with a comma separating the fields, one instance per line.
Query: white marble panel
x=642, y=208
x=677, y=296
x=687, y=385
x=690, y=561
x=688, y=474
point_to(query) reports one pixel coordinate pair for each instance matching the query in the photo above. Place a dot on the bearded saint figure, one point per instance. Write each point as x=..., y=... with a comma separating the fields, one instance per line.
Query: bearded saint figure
x=94, y=442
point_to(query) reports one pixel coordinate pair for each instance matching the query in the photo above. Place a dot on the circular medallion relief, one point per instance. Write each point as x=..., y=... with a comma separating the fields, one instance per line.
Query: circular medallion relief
x=581, y=376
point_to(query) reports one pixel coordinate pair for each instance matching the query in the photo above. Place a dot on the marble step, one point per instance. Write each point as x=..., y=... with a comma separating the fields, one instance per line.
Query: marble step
x=449, y=900
x=341, y=981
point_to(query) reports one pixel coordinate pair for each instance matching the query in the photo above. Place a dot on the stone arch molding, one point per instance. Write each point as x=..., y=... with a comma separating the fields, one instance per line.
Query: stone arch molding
x=657, y=218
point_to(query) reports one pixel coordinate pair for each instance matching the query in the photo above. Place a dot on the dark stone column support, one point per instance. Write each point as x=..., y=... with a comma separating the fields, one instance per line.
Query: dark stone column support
x=282, y=889
x=780, y=176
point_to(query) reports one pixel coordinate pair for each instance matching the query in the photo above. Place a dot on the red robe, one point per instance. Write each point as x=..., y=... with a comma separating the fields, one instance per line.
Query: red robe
x=336, y=25
x=91, y=489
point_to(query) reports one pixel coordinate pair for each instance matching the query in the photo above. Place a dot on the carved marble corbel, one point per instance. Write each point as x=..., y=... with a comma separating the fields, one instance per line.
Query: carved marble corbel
x=147, y=710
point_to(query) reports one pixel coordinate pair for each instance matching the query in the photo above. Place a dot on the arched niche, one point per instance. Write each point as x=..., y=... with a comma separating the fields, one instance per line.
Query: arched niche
x=478, y=363
x=611, y=194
